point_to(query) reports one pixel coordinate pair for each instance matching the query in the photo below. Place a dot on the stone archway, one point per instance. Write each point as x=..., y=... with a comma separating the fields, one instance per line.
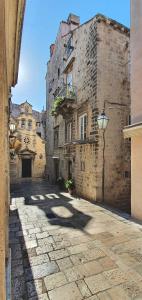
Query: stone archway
x=26, y=163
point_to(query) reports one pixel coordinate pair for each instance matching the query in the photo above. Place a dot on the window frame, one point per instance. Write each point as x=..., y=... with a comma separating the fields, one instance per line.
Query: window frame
x=69, y=46
x=56, y=137
x=23, y=126
x=82, y=127
x=30, y=122
x=69, y=132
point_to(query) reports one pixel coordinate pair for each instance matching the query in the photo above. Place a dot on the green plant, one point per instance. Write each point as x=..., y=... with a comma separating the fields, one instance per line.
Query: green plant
x=56, y=104
x=69, y=184
x=72, y=94
x=53, y=112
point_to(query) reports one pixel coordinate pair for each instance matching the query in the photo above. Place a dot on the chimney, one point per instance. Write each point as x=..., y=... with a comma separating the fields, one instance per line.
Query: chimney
x=73, y=19
x=52, y=47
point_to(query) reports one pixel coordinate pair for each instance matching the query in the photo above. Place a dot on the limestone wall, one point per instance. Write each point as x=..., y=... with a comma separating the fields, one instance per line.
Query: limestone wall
x=99, y=66
x=32, y=146
x=11, y=18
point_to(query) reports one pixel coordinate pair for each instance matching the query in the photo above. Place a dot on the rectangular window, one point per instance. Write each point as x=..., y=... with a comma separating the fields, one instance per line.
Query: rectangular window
x=82, y=166
x=29, y=124
x=69, y=47
x=83, y=127
x=68, y=132
x=58, y=73
x=127, y=174
x=23, y=123
x=56, y=137
x=69, y=79
x=38, y=124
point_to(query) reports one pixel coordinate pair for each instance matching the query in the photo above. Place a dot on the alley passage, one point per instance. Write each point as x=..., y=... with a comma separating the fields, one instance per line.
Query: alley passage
x=65, y=248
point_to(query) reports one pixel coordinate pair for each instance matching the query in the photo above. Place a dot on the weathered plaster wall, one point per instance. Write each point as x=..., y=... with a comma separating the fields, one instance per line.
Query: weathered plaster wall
x=136, y=60
x=136, y=165
x=11, y=18
x=136, y=108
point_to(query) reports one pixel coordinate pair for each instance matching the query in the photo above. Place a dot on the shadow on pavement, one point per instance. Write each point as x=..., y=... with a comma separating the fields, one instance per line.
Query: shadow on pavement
x=48, y=198
x=76, y=218
x=20, y=264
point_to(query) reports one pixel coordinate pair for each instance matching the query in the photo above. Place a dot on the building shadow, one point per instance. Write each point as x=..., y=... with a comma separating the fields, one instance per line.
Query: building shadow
x=53, y=206
x=21, y=271
x=49, y=199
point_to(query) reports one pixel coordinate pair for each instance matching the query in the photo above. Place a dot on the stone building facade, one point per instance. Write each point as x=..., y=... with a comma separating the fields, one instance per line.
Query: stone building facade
x=87, y=74
x=134, y=130
x=11, y=23
x=27, y=142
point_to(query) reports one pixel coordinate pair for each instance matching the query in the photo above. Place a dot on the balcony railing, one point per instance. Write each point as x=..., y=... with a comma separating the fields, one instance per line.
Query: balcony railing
x=68, y=92
x=65, y=101
x=68, y=48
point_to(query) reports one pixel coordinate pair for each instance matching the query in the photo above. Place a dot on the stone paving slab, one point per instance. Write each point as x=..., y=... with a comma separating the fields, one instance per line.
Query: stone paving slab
x=38, y=260
x=115, y=293
x=84, y=290
x=68, y=291
x=55, y=280
x=40, y=297
x=41, y=270
x=97, y=283
x=64, y=263
x=66, y=248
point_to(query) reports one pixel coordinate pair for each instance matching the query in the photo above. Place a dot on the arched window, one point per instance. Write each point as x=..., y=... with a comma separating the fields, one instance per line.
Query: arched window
x=29, y=124
x=23, y=123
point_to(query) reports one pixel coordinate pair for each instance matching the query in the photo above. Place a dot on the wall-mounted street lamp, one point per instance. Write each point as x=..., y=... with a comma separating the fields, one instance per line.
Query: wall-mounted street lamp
x=102, y=121
x=12, y=127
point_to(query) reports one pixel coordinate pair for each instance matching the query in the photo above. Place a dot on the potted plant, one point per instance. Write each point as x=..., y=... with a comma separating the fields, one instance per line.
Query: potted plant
x=69, y=185
x=57, y=102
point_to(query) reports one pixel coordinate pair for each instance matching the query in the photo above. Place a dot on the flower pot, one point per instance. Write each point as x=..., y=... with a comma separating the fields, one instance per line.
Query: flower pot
x=71, y=191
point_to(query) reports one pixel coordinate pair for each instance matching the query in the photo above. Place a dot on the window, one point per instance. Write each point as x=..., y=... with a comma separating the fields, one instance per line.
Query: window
x=82, y=166
x=127, y=174
x=56, y=137
x=69, y=47
x=68, y=132
x=23, y=123
x=69, y=84
x=83, y=127
x=29, y=124
x=69, y=79
x=38, y=124
x=58, y=73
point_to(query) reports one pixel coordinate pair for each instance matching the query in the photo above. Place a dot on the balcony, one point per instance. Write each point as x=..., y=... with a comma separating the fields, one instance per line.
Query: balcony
x=65, y=102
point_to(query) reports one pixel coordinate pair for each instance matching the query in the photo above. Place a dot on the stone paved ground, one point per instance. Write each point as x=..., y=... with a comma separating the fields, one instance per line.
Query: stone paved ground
x=69, y=249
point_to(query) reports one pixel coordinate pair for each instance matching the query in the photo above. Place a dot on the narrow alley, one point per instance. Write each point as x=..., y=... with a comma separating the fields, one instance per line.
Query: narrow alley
x=66, y=248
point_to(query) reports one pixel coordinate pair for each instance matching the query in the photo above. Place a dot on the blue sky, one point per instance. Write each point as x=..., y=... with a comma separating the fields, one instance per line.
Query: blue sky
x=42, y=18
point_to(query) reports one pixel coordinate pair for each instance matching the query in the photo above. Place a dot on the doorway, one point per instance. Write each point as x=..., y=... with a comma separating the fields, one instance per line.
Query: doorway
x=26, y=167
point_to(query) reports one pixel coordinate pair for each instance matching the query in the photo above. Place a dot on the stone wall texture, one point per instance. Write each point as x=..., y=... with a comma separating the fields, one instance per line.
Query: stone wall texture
x=100, y=164
x=32, y=145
